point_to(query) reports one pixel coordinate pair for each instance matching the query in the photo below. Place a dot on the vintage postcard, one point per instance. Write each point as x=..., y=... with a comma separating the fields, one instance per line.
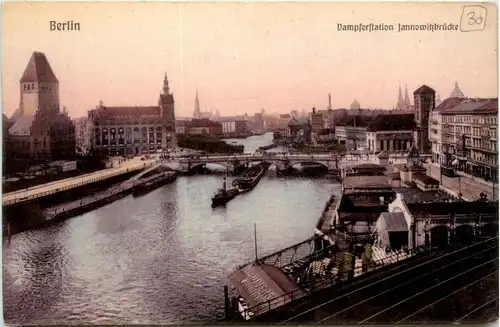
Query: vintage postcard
x=236, y=163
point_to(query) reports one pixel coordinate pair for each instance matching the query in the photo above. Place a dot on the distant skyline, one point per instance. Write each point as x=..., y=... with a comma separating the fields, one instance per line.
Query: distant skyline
x=243, y=57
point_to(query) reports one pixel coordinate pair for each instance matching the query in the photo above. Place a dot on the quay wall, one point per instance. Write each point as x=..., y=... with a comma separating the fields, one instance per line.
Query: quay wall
x=33, y=214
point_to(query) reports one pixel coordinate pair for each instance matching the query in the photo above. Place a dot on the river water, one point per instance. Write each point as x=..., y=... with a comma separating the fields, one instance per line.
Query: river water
x=157, y=259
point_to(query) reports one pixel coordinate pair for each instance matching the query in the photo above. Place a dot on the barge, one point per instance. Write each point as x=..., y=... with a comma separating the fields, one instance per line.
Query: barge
x=251, y=177
x=153, y=183
x=224, y=195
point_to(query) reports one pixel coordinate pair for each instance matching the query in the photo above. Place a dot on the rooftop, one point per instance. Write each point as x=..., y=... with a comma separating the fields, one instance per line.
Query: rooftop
x=392, y=121
x=22, y=126
x=415, y=195
x=129, y=111
x=469, y=106
x=446, y=208
x=364, y=182
x=394, y=222
x=260, y=283
x=424, y=89
x=38, y=70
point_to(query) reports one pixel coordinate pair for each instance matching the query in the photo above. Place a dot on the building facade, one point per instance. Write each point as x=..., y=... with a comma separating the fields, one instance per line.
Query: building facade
x=316, y=121
x=391, y=132
x=135, y=130
x=424, y=98
x=469, y=128
x=83, y=135
x=39, y=129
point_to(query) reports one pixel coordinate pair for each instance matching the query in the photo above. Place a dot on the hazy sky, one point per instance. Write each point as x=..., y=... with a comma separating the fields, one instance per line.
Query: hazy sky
x=244, y=57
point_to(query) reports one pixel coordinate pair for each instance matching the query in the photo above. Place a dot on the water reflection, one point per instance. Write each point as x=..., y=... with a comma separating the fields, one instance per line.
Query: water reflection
x=157, y=259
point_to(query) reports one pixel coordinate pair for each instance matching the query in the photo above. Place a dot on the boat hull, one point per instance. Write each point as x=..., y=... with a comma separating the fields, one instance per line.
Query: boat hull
x=222, y=200
x=245, y=183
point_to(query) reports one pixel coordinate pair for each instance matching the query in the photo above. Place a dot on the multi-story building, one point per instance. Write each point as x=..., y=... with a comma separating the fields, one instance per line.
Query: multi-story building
x=39, y=129
x=241, y=127
x=181, y=126
x=204, y=126
x=389, y=132
x=316, y=121
x=135, y=130
x=83, y=135
x=469, y=135
x=228, y=127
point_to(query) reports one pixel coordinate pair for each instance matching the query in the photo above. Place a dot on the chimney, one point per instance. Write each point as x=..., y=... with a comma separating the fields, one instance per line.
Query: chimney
x=314, y=110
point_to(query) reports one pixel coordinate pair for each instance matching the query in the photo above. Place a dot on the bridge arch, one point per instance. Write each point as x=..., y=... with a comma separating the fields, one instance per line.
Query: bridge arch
x=464, y=234
x=294, y=164
x=489, y=230
x=198, y=165
x=439, y=236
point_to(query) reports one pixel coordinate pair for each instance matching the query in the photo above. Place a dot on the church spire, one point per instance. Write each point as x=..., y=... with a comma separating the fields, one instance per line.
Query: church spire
x=166, y=88
x=196, y=105
x=407, y=98
x=401, y=104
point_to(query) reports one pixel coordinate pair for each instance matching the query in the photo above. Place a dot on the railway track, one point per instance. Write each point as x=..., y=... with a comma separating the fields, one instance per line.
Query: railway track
x=423, y=293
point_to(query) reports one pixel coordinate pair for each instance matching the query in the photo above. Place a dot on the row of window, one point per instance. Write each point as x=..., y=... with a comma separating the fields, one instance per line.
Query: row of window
x=122, y=141
x=32, y=86
x=129, y=130
x=129, y=136
x=476, y=120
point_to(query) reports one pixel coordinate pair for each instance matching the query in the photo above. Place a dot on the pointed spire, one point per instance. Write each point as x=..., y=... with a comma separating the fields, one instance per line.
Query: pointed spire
x=401, y=103
x=166, y=88
x=407, y=98
x=196, y=105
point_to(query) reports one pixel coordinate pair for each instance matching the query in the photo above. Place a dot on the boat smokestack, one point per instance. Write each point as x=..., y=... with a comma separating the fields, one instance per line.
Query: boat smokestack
x=224, y=183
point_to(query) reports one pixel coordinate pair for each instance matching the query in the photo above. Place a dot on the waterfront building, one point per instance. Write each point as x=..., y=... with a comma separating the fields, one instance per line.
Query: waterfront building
x=204, y=126
x=235, y=126
x=299, y=130
x=389, y=132
x=40, y=130
x=228, y=127
x=468, y=137
x=135, y=130
x=352, y=131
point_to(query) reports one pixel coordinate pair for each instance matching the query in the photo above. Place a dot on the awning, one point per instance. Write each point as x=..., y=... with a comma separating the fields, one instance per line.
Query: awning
x=259, y=283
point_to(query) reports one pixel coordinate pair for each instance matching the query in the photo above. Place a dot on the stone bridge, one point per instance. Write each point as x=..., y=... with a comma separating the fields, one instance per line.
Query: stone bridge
x=281, y=162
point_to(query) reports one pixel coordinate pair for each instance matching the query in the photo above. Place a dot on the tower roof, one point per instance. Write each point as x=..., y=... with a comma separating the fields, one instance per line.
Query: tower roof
x=38, y=70
x=424, y=89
